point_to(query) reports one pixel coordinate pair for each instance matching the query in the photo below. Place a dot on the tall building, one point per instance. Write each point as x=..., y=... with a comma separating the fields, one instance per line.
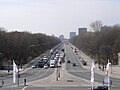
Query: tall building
x=61, y=37
x=72, y=34
x=82, y=30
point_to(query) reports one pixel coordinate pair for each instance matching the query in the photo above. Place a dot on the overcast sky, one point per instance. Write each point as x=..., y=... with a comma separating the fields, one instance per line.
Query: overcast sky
x=56, y=16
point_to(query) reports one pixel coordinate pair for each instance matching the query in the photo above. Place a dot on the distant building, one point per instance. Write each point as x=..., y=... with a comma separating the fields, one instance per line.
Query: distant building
x=61, y=37
x=82, y=30
x=72, y=34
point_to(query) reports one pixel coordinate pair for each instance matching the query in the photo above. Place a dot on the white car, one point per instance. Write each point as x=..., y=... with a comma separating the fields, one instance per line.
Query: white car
x=45, y=66
x=52, y=63
x=34, y=66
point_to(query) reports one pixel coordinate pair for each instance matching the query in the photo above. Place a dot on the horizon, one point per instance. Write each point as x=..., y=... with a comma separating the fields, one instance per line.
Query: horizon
x=58, y=17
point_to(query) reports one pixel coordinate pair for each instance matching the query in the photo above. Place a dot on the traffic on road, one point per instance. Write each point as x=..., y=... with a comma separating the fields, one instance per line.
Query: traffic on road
x=50, y=66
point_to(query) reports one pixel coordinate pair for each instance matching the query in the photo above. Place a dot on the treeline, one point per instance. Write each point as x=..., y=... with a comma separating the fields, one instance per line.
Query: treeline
x=101, y=45
x=23, y=46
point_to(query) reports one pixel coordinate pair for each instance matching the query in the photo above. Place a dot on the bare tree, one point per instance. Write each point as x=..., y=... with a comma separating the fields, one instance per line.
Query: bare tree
x=96, y=25
x=102, y=45
x=18, y=45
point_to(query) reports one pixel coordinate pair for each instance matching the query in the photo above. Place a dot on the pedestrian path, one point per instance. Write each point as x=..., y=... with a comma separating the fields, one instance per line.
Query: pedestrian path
x=5, y=72
x=114, y=69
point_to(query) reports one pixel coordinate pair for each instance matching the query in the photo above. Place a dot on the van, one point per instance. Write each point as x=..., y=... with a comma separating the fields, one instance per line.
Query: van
x=52, y=63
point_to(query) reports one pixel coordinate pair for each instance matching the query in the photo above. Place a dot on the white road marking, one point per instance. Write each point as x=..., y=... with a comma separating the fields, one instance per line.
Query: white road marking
x=24, y=88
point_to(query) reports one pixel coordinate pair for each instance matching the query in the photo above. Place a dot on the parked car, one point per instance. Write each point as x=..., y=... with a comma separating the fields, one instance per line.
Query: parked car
x=100, y=88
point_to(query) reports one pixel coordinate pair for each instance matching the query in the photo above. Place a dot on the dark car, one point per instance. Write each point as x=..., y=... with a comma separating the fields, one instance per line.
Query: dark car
x=83, y=62
x=41, y=64
x=68, y=61
x=101, y=88
x=74, y=64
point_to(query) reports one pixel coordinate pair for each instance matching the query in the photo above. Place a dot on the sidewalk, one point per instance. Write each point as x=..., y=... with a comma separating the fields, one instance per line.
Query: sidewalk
x=114, y=72
x=5, y=72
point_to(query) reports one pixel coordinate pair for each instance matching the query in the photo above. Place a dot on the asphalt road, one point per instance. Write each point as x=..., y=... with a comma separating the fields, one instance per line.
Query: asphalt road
x=39, y=73
x=63, y=88
x=79, y=71
x=29, y=75
x=52, y=88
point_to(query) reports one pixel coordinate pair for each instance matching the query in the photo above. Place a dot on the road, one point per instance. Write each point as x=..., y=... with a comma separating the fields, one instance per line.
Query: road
x=79, y=71
x=40, y=73
x=53, y=88
x=29, y=75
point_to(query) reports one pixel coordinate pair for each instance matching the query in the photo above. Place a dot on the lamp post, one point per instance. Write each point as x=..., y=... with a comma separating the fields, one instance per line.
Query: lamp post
x=18, y=76
x=56, y=74
x=59, y=72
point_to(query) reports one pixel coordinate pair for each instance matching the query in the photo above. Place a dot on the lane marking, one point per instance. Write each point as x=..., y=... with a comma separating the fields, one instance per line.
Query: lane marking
x=24, y=88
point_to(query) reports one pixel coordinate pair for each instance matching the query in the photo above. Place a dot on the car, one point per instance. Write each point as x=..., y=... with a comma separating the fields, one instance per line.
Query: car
x=45, y=66
x=52, y=63
x=75, y=50
x=41, y=64
x=83, y=62
x=100, y=88
x=74, y=64
x=68, y=61
x=106, y=81
x=76, y=53
x=44, y=58
x=34, y=66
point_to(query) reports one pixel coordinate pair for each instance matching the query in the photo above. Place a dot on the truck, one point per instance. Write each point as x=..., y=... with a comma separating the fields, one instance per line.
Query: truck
x=52, y=63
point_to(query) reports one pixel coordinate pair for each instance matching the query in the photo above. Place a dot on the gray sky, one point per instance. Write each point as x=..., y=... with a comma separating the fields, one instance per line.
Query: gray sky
x=56, y=16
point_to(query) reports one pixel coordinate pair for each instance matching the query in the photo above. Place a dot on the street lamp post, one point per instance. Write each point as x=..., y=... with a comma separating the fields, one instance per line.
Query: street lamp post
x=18, y=76
x=56, y=74
x=59, y=72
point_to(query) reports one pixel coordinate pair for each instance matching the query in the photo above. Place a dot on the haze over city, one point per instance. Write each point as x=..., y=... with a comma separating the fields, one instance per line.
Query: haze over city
x=56, y=16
